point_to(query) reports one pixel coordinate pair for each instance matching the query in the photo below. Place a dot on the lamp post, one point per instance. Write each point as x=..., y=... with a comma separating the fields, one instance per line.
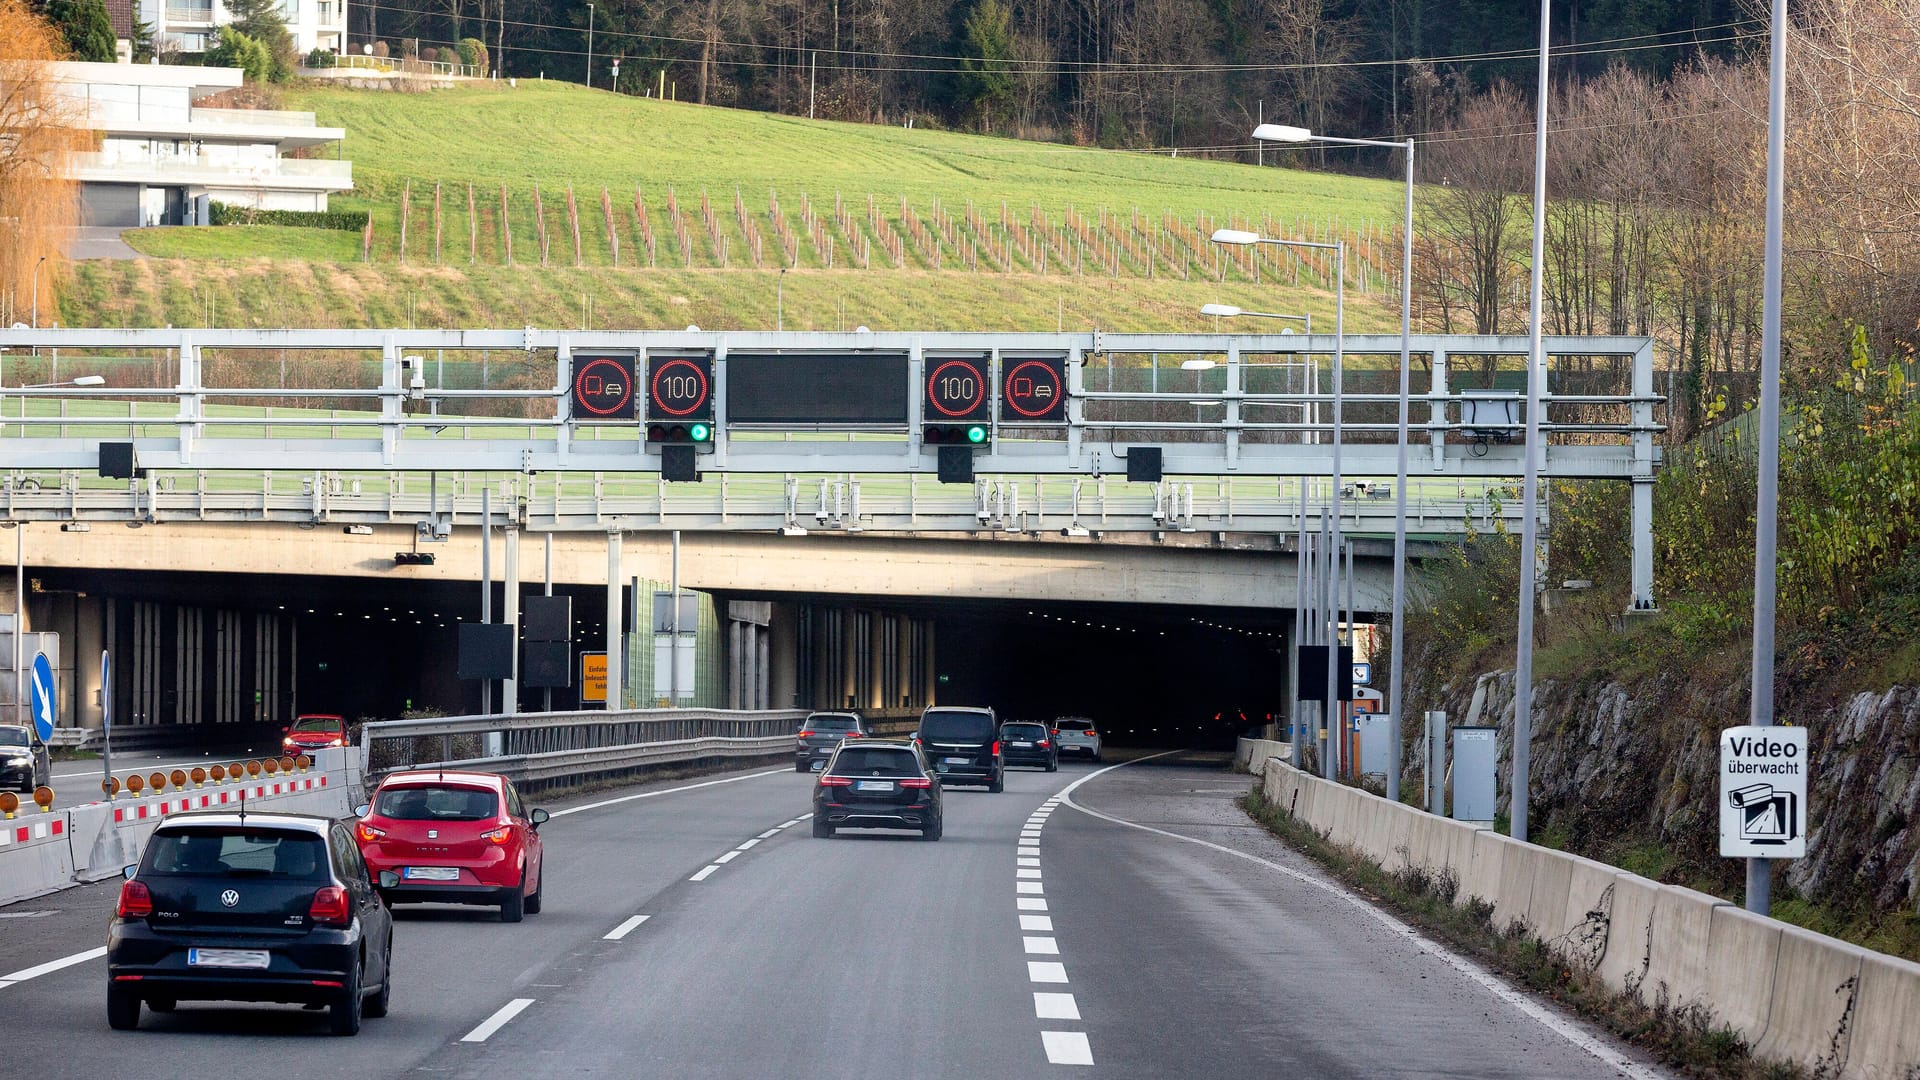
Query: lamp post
x=1311, y=367
x=36, y=291
x=1766, y=519
x=1239, y=238
x=589, y=46
x=1395, y=684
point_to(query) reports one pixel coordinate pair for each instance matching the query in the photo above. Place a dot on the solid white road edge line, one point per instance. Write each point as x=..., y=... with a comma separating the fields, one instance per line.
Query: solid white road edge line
x=1067, y=1047
x=663, y=791
x=626, y=928
x=51, y=966
x=1533, y=1010
x=497, y=1021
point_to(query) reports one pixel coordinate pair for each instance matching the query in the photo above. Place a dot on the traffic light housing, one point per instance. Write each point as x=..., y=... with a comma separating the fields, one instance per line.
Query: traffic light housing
x=956, y=464
x=680, y=432
x=955, y=434
x=679, y=462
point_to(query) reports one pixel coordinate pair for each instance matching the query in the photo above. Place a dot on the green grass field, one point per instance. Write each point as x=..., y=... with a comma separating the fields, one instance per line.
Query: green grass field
x=288, y=292
x=938, y=230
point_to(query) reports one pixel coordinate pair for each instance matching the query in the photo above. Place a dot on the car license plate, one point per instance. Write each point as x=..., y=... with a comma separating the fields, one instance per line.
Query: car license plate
x=873, y=785
x=959, y=761
x=1023, y=744
x=228, y=958
x=430, y=873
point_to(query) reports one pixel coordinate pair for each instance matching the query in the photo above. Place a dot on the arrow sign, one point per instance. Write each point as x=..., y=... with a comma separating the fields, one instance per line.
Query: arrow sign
x=106, y=692
x=43, y=697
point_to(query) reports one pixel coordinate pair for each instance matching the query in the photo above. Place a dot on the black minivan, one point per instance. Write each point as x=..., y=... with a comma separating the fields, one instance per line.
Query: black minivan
x=260, y=907
x=962, y=744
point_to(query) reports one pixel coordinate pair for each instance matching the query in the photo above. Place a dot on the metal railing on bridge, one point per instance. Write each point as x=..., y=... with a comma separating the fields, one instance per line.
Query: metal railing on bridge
x=563, y=749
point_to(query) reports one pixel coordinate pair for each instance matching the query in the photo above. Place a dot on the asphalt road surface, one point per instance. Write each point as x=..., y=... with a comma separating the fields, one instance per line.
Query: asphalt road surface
x=1118, y=922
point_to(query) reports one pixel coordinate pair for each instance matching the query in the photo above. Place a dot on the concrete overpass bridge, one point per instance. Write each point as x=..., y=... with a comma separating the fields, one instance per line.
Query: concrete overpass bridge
x=249, y=545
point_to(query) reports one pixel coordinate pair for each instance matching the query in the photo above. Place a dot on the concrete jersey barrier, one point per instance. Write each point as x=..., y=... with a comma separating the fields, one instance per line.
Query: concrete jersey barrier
x=1828, y=1006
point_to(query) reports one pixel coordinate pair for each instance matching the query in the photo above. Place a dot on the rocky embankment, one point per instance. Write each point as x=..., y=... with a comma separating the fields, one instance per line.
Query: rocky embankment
x=1619, y=766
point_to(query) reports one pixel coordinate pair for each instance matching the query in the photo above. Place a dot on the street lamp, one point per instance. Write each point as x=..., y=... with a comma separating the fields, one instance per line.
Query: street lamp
x=83, y=380
x=1242, y=238
x=589, y=46
x=1396, y=685
x=1228, y=311
x=36, y=291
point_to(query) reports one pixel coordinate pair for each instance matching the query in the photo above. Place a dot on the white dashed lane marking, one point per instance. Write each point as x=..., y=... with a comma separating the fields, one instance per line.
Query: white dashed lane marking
x=1050, y=1006
x=1067, y=1047
x=704, y=874
x=497, y=1021
x=1036, y=922
x=626, y=928
x=1046, y=971
x=1041, y=946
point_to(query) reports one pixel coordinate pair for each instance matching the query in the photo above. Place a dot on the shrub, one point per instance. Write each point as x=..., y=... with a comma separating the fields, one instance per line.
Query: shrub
x=320, y=58
x=237, y=50
x=344, y=220
x=473, y=52
x=380, y=49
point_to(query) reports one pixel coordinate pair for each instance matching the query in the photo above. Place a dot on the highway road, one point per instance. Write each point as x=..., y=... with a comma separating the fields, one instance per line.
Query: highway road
x=1114, y=922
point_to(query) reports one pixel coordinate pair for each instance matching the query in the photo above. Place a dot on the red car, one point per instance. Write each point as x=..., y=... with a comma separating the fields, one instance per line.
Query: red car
x=314, y=731
x=454, y=838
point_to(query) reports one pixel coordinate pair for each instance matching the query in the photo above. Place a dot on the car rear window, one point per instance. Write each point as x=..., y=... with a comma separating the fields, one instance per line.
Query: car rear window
x=875, y=761
x=831, y=723
x=436, y=802
x=956, y=726
x=239, y=852
x=1072, y=725
x=13, y=736
x=317, y=723
x=1023, y=731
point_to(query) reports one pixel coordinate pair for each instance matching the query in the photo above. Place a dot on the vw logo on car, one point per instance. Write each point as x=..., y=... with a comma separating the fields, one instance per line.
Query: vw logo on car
x=229, y=898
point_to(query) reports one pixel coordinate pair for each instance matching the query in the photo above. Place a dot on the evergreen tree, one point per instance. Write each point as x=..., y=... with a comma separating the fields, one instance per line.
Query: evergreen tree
x=142, y=40
x=237, y=50
x=85, y=26
x=986, y=79
x=261, y=21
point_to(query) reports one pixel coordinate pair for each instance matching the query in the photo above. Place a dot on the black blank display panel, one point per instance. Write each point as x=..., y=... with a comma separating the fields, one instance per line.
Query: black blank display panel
x=851, y=388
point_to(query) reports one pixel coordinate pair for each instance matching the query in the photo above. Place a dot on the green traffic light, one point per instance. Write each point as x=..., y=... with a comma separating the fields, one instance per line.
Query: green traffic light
x=976, y=434
x=700, y=432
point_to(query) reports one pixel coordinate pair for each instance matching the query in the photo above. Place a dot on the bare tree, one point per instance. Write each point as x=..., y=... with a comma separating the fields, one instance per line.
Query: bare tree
x=1469, y=206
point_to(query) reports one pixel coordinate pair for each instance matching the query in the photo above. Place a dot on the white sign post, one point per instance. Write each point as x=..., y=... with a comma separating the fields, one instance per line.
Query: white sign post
x=1763, y=792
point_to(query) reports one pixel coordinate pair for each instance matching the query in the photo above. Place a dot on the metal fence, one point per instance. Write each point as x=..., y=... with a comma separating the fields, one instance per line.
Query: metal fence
x=560, y=749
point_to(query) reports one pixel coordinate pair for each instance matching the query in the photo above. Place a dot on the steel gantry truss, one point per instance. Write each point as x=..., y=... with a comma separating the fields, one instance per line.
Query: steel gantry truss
x=215, y=438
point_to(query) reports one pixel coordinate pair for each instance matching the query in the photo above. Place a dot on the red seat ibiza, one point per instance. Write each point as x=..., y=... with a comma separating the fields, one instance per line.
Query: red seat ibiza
x=454, y=838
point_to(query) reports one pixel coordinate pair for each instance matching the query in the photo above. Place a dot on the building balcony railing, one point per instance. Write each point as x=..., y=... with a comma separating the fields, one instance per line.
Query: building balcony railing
x=307, y=172
x=255, y=117
x=190, y=13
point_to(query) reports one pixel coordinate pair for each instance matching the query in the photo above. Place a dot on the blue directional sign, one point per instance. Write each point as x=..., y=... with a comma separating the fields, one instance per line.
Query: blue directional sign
x=43, y=697
x=106, y=692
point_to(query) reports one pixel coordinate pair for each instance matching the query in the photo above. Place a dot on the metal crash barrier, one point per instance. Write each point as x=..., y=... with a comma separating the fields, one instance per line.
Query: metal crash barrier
x=538, y=750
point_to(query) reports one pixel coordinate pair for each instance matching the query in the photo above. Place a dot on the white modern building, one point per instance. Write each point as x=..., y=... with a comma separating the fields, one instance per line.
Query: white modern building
x=160, y=153
x=192, y=26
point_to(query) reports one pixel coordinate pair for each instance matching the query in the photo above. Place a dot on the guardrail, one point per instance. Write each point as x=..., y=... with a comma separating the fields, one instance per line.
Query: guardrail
x=554, y=749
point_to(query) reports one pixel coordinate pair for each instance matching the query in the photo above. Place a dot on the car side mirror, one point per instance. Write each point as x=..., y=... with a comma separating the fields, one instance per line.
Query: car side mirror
x=915, y=736
x=539, y=818
x=361, y=810
x=128, y=871
x=388, y=879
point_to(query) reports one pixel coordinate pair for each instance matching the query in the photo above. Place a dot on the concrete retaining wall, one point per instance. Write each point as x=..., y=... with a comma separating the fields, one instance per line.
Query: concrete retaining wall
x=43, y=852
x=1794, y=995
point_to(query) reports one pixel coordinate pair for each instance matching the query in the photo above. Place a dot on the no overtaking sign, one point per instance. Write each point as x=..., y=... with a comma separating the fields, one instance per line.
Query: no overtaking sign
x=1763, y=792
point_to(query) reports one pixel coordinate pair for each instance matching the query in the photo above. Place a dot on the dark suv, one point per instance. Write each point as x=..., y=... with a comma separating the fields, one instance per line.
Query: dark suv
x=820, y=733
x=877, y=785
x=253, y=907
x=963, y=745
x=1029, y=744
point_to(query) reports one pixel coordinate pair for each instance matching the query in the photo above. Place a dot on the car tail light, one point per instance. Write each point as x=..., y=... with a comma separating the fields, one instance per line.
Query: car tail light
x=329, y=907
x=853, y=734
x=368, y=834
x=1044, y=743
x=836, y=781
x=916, y=782
x=1092, y=734
x=806, y=735
x=135, y=901
x=996, y=748
x=500, y=835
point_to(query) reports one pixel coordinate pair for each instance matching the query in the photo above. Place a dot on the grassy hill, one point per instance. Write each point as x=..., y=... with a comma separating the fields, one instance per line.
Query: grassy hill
x=551, y=204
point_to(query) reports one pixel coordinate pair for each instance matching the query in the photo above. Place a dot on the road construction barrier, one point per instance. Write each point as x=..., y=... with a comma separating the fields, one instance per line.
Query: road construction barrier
x=45, y=851
x=1830, y=1007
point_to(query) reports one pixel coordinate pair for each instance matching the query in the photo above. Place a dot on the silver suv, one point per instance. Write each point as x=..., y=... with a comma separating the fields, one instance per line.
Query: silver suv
x=1076, y=735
